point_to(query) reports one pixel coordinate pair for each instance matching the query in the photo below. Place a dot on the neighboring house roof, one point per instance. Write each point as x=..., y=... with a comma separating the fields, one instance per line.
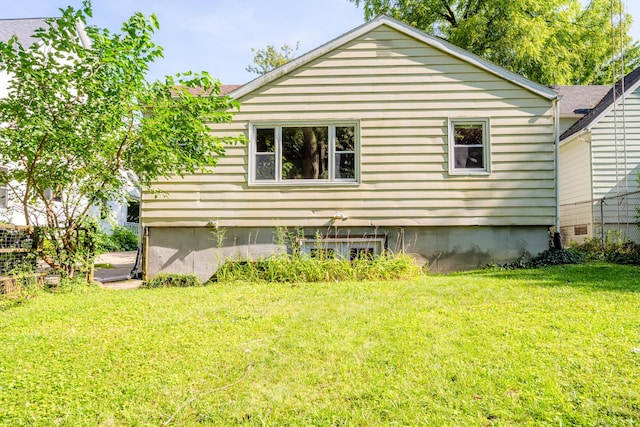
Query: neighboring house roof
x=630, y=82
x=224, y=90
x=434, y=42
x=578, y=101
x=23, y=28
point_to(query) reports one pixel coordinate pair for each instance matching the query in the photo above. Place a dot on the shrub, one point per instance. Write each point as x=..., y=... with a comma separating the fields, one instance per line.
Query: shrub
x=121, y=239
x=125, y=239
x=103, y=242
x=614, y=250
x=170, y=280
x=549, y=257
x=304, y=268
x=557, y=257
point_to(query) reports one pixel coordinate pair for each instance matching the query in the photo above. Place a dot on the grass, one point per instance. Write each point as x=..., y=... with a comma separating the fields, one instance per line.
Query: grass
x=103, y=265
x=548, y=346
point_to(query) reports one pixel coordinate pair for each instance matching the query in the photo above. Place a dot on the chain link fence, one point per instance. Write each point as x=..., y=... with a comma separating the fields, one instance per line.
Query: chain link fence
x=19, y=248
x=606, y=218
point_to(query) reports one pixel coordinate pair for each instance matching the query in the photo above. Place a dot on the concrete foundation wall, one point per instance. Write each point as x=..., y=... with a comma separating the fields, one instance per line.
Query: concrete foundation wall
x=199, y=251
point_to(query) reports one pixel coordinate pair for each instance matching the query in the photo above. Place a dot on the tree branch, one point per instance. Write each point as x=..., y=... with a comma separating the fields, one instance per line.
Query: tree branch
x=449, y=16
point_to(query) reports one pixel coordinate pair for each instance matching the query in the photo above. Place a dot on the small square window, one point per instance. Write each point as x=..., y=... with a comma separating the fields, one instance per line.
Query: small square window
x=580, y=230
x=468, y=146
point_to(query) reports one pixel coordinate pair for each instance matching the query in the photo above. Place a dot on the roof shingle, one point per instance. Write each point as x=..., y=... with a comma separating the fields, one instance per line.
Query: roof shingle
x=579, y=100
x=23, y=28
x=631, y=82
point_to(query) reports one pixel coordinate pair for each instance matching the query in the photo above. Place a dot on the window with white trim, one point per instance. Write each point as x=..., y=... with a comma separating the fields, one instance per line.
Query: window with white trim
x=306, y=153
x=468, y=146
x=349, y=248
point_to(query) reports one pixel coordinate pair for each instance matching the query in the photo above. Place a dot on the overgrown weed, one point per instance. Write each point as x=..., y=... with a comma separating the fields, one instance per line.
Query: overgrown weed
x=289, y=268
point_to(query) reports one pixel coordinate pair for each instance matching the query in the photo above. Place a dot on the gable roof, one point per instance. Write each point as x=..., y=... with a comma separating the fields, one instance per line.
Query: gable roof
x=23, y=28
x=412, y=32
x=630, y=82
x=578, y=101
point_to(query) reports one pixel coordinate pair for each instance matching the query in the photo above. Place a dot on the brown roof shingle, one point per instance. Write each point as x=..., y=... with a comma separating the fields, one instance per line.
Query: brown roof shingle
x=630, y=83
x=579, y=100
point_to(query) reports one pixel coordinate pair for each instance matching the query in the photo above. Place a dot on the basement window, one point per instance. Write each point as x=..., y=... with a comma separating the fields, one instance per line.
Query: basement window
x=343, y=248
x=580, y=230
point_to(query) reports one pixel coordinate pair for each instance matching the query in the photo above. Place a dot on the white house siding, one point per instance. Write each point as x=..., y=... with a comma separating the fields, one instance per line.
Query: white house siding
x=576, y=207
x=616, y=166
x=567, y=122
x=616, y=170
x=402, y=93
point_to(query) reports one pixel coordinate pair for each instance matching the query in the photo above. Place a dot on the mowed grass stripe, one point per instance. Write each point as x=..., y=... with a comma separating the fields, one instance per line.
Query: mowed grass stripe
x=530, y=347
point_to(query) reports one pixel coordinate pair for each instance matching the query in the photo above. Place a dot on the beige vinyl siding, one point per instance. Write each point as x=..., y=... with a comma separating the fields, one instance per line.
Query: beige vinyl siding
x=615, y=171
x=576, y=208
x=567, y=122
x=401, y=93
x=575, y=171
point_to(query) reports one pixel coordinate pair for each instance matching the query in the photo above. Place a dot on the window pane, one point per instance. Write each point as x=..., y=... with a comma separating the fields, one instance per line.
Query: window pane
x=469, y=157
x=345, y=137
x=361, y=253
x=133, y=211
x=305, y=153
x=345, y=166
x=322, y=253
x=265, y=167
x=3, y=197
x=265, y=140
x=3, y=188
x=468, y=134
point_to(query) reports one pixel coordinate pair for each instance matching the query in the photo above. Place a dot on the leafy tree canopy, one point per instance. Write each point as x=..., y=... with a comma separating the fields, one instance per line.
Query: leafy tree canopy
x=548, y=41
x=80, y=121
x=270, y=58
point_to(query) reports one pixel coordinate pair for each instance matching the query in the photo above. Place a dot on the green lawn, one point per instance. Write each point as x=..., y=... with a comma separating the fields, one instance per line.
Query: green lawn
x=556, y=346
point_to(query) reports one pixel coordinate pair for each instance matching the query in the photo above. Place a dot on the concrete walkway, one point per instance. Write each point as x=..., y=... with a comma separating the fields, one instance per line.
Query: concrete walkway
x=116, y=277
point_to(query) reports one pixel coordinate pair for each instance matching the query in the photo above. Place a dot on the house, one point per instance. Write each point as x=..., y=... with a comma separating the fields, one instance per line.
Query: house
x=121, y=210
x=577, y=101
x=599, y=165
x=23, y=29
x=384, y=138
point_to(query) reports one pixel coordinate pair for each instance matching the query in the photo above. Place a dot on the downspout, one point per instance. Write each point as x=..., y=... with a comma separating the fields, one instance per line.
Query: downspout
x=556, y=238
x=145, y=253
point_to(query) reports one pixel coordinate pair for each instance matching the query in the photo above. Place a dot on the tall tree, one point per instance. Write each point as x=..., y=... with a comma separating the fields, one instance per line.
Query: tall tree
x=548, y=41
x=270, y=58
x=80, y=122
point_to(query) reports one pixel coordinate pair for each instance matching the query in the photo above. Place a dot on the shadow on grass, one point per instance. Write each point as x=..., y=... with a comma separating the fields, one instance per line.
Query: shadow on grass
x=590, y=276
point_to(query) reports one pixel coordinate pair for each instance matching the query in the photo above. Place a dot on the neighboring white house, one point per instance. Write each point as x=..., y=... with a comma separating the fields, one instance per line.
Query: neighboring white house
x=23, y=29
x=384, y=138
x=599, y=165
x=121, y=210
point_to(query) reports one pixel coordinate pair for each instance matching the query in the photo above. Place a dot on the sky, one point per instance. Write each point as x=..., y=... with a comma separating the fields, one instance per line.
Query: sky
x=217, y=35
